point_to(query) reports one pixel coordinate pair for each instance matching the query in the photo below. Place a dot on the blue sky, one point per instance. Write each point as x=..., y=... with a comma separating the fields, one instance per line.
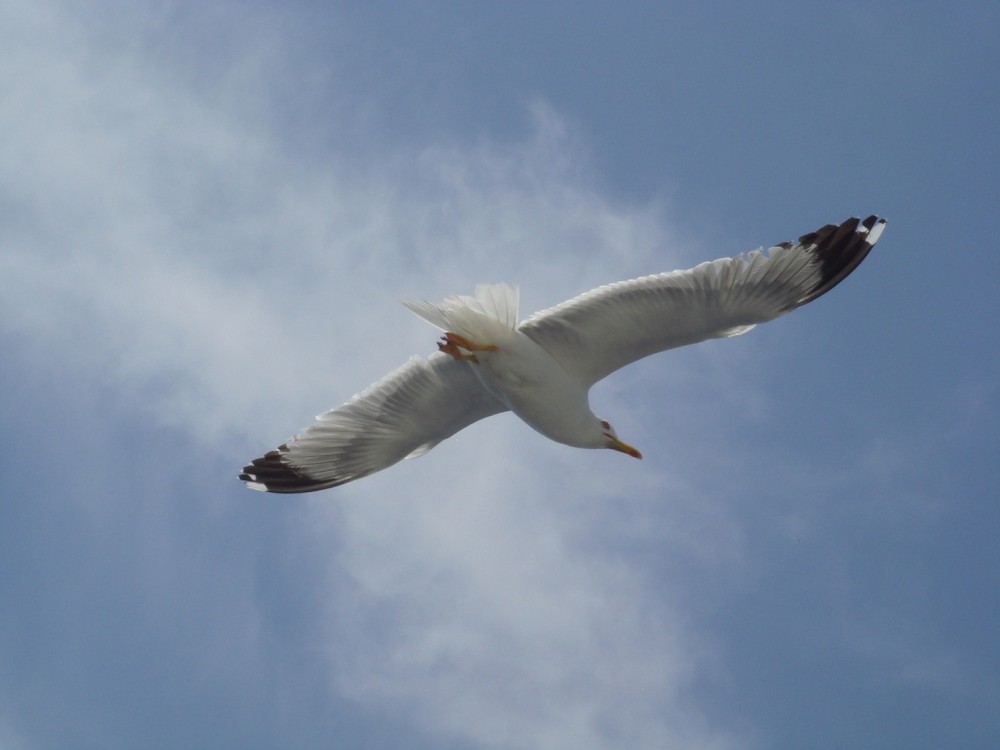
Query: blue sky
x=209, y=213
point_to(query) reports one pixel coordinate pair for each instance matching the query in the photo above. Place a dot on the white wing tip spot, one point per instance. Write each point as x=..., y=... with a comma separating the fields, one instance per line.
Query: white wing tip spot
x=874, y=233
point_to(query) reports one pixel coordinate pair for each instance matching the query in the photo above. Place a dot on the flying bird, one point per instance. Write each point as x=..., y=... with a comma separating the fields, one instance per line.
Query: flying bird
x=542, y=368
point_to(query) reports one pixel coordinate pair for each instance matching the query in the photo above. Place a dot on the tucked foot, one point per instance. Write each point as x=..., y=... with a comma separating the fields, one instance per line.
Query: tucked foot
x=450, y=348
x=461, y=348
x=454, y=338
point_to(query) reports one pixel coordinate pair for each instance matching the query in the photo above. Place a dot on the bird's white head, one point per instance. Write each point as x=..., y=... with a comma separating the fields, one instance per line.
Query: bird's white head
x=611, y=441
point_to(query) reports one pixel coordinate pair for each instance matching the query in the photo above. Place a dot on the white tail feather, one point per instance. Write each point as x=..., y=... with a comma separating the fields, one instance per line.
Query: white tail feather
x=489, y=315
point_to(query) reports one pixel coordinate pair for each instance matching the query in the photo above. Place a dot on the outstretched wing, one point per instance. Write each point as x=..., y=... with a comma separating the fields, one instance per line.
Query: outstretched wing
x=404, y=414
x=607, y=328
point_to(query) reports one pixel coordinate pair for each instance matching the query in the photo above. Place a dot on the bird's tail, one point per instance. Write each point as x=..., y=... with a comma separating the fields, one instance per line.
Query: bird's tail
x=488, y=316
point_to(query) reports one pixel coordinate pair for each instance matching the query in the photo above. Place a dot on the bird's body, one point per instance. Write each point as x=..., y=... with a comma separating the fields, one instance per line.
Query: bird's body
x=542, y=369
x=519, y=372
x=533, y=385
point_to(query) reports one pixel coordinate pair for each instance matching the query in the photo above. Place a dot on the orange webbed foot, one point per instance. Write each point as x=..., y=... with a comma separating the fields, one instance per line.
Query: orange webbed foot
x=449, y=347
x=464, y=343
x=461, y=348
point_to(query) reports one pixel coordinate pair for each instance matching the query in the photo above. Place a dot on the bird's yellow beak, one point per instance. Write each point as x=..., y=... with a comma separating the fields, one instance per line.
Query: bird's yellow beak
x=624, y=447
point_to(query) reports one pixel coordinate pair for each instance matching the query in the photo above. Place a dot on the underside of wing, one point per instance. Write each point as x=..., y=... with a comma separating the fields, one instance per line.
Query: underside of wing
x=607, y=328
x=406, y=413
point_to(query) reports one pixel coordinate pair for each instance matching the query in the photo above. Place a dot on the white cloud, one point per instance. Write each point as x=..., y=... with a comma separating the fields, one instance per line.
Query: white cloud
x=482, y=607
x=226, y=287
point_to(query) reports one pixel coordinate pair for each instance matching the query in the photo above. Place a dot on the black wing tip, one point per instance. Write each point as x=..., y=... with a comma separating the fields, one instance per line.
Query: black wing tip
x=270, y=474
x=868, y=230
x=840, y=248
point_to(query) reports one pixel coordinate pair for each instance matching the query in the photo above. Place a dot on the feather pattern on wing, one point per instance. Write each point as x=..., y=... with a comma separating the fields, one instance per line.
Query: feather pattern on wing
x=598, y=332
x=404, y=414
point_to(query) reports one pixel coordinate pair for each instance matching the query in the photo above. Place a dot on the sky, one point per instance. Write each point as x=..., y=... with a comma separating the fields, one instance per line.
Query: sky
x=209, y=214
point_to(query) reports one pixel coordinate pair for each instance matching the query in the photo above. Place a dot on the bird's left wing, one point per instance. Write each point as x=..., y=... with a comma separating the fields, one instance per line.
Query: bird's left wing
x=607, y=328
x=404, y=414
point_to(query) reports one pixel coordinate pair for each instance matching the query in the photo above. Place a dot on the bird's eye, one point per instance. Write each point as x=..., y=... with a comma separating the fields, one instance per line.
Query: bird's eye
x=605, y=425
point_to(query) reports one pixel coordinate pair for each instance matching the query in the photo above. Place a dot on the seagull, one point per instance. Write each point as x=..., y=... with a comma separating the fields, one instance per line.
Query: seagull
x=542, y=369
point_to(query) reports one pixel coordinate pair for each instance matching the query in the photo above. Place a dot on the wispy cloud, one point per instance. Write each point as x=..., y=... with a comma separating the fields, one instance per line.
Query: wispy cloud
x=164, y=244
x=481, y=604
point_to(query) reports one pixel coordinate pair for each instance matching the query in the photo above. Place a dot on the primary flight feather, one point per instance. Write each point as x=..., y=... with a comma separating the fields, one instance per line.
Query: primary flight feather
x=542, y=369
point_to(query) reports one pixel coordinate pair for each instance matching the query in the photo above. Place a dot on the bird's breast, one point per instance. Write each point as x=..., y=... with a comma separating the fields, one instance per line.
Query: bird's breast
x=533, y=385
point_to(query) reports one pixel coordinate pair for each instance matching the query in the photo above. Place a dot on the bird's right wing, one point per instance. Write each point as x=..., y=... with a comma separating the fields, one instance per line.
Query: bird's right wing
x=596, y=333
x=404, y=414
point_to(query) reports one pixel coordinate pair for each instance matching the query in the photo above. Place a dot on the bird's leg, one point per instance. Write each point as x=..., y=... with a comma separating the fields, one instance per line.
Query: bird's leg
x=454, y=338
x=450, y=348
x=453, y=344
